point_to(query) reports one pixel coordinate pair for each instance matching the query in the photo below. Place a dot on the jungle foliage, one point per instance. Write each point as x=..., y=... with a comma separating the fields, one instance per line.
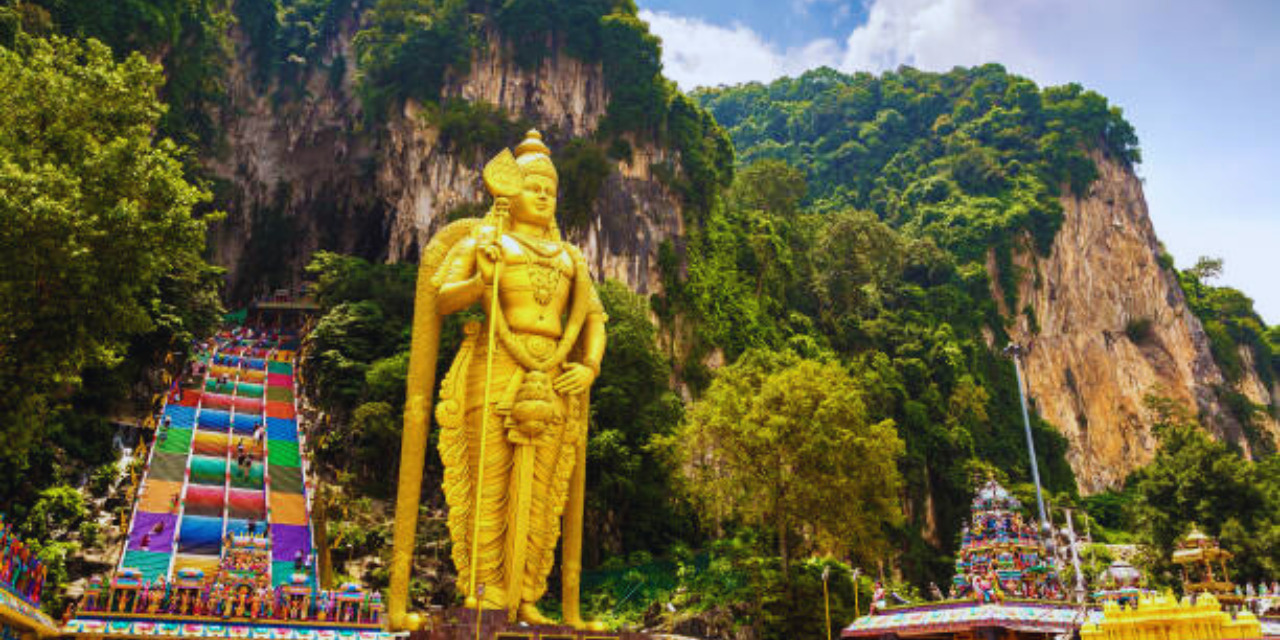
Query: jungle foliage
x=100, y=254
x=969, y=157
x=1196, y=480
x=863, y=219
x=189, y=35
x=1241, y=342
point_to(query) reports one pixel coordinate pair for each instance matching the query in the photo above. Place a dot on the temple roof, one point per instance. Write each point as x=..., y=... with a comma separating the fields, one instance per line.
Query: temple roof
x=953, y=617
x=107, y=625
x=994, y=496
x=16, y=612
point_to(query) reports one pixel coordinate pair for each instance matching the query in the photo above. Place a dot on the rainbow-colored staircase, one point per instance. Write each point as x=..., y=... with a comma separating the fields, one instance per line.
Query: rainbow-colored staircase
x=195, y=492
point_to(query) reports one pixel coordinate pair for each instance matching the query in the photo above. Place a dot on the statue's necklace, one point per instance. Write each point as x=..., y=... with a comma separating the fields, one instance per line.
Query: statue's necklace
x=542, y=247
x=544, y=275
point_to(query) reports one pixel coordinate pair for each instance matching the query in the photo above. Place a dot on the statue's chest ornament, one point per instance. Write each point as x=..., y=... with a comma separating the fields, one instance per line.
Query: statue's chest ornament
x=544, y=267
x=544, y=276
x=545, y=264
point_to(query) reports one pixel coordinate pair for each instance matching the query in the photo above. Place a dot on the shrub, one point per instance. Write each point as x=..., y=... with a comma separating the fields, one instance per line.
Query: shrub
x=583, y=169
x=471, y=128
x=1139, y=330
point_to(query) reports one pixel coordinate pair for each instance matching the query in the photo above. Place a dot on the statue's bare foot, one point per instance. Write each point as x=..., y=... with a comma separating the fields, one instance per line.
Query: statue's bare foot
x=581, y=625
x=529, y=614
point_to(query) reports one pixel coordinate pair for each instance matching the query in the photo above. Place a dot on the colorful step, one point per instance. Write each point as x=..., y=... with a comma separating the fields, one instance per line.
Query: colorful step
x=152, y=532
x=208, y=470
x=151, y=564
x=200, y=535
x=174, y=440
x=282, y=429
x=284, y=453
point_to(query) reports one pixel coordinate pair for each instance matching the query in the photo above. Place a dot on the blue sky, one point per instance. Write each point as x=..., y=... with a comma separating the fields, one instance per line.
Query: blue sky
x=1199, y=80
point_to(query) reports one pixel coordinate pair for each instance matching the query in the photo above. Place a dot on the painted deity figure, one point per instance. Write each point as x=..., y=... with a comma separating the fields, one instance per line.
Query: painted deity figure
x=513, y=407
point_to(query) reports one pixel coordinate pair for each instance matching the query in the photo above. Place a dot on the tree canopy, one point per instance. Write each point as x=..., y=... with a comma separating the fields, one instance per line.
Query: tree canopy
x=787, y=443
x=1194, y=479
x=101, y=245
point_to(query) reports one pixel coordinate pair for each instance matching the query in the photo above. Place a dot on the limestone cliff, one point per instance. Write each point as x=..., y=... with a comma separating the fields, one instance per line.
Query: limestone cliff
x=1113, y=327
x=304, y=163
x=1108, y=324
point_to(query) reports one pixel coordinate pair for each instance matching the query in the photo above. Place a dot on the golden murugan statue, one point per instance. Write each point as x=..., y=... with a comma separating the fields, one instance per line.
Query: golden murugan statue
x=513, y=407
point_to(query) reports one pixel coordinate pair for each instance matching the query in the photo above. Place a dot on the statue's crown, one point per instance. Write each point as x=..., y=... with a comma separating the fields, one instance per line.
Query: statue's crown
x=534, y=157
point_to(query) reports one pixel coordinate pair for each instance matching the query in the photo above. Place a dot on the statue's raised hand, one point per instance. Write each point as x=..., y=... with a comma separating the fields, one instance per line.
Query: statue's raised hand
x=488, y=253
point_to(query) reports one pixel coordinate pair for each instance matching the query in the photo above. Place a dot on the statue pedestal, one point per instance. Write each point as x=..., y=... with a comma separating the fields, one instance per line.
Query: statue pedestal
x=460, y=624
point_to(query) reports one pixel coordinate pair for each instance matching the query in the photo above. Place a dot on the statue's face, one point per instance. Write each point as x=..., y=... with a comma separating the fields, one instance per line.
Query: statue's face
x=536, y=202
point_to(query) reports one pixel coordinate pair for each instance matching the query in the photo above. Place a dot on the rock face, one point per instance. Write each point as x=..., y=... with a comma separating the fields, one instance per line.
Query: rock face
x=1114, y=327
x=310, y=170
x=302, y=170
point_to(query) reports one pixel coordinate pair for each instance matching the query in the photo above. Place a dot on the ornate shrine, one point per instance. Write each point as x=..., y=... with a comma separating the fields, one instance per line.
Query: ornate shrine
x=1005, y=584
x=1121, y=584
x=1159, y=616
x=1000, y=556
x=1197, y=554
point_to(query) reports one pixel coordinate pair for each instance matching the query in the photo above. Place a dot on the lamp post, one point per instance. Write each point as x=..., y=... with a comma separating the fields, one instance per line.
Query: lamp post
x=855, y=574
x=1015, y=352
x=826, y=597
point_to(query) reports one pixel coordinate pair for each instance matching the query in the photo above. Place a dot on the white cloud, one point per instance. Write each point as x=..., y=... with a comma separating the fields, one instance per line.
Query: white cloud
x=696, y=53
x=1197, y=80
x=921, y=33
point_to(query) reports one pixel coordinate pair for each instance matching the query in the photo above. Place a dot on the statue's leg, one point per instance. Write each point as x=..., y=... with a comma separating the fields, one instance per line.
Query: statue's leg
x=553, y=468
x=493, y=512
x=491, y=556
x=413, y=448
x=571, y=552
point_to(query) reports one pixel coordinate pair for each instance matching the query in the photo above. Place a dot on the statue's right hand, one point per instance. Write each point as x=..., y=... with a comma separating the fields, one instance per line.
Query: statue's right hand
x=487, y=256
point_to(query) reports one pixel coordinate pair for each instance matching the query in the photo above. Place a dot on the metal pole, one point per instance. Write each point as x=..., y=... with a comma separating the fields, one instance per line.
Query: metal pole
x=1075, y=557
x=856, y=574
x=1015, y=351
x=826, y=598
x=479, y=592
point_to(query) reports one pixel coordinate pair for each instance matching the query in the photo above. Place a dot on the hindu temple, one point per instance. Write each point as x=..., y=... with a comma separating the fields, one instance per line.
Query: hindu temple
x=22, y=577
x=1005, y=584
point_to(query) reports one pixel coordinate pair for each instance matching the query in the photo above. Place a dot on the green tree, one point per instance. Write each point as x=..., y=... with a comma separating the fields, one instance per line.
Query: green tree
x=100, y=244
x=856, y=263
x=630, y=502
x=1241, y=343
x=766, y=198
x=784, y=442
x=59, y=511
x=583, y=169
x=1196, y=479
x=406, y=49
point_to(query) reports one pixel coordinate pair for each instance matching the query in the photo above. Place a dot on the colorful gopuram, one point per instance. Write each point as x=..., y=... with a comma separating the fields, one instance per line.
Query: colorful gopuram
x=1005, y=584
x=1121, y=584
x=22, y=577
x=220, y=542
x=1000, y=555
